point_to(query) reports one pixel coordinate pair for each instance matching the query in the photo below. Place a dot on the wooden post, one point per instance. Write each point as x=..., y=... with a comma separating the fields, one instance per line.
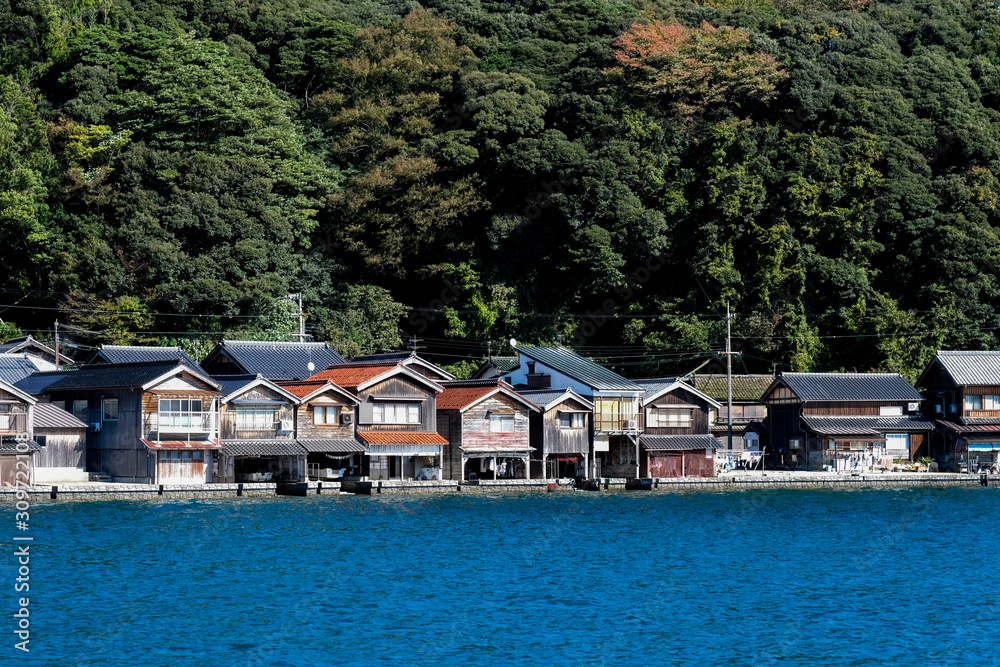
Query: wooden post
x=683, y=470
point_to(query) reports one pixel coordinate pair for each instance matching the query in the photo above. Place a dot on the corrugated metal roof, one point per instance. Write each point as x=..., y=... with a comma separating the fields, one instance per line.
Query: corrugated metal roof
x=657, y=443
x=15, y=367
x=584, y=370
x=101, y=376
x=37, y=383
x=846, y=425
x=332, y=446
x=402, y=437
x=52, y=416
x=850, y=386
x=654, y=386
x=970, y=367
x=183, y=444
x=979, y=427
x=545, y=398
x=278, y=360
x=125, y=354
x=505, y=364
x=745, y=387
x=263, y=448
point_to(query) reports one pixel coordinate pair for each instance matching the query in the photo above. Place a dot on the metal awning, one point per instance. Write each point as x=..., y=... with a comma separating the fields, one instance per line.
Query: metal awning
x=186, y=393
x=854, y=437
x=183, y=444
x=404, y=450
x=984, y=446
x=263, y=448
x=332, y=446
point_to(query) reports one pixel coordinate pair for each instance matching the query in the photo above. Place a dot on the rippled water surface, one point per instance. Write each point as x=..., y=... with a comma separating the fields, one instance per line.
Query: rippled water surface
x=877, y=577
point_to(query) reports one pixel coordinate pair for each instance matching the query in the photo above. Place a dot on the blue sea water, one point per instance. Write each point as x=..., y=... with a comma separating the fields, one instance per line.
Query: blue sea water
x=870, y=577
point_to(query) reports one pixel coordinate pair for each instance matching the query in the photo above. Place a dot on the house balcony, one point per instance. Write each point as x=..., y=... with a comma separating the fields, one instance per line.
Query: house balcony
x=604, y=423
x=175, y=424
x=13, y=423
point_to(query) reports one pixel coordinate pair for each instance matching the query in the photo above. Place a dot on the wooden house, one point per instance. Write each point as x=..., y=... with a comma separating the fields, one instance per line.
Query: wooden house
x=560, y=433
x=43, y=355
x=677, y=439
x=962, y=391
x=397, y=418
x=62, y=445
x=487, y=426
x=257, y=431
x=843, y=421
x=270, y=359
x=748, y=390
x=17, y=447
x=326, y=428
x=411, y=360
x=617, y=416
x=149, y=422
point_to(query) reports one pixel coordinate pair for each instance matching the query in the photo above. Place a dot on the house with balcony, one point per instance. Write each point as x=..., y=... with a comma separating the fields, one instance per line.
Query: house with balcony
x=617, y=416
x=397, y=418
x=17, y=447
x=844, y=421
x=487, y=426
x=148, y=422
x=270, y=359
x=677, y=439
x=748, y=390
x=962, y=392
x=257, y=432
x=326, y=423
x=560, y=433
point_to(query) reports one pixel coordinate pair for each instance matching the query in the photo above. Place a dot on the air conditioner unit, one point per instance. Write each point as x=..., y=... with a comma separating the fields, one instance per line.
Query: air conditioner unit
x=347, y=418
x=912, y=407
x=95, y=427
x=285, y=425
x=632, y=425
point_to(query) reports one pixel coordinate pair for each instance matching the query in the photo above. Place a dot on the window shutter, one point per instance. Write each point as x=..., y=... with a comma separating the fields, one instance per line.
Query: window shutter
x=365, y=415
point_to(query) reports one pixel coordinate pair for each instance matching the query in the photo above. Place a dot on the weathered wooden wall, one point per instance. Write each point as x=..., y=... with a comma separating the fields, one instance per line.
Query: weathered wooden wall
x=848, y=408
x=559, y=440
x=404, y=387
x=64, y=448
x=699, y=415
x=9, y=470
x=305, y=426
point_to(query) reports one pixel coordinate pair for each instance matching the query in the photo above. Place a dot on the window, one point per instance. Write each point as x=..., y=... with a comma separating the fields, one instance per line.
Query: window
x=182, y=456
x=991, y=402
x=571, y=420
x=110, y=409
x=255, y=419
x=80, y=410
x=180, y=413
x=326, y=414
x=667, y=418
x=891, y=411
x=502, y=423
x=973, y=402
x=395, y=413
x=898, y=443
x=196, y=455
x=40, y=439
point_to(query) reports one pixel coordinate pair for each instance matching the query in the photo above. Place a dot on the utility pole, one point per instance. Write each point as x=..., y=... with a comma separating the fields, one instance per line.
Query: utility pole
x=489, y=352
x=57, y=344
x=414, y=346
x=729, y=376
x=297, y=299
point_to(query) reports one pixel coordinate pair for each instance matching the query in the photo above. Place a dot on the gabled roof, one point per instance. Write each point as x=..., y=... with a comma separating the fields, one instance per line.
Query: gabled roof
x=23, y=395
x=276, y=360
x=38, y=383
x=356, y=377
x=306, y=390
x=15, y=367
x=745, y=387
x=28, y=344
x=406, y=359
x=137, y=375
x=848, y=387
x=463, y=394
x=124, y=354
x=235, y=385
x=657, y=387
x=569, y=363
x=965, y=367
x=549, y=398
x=52, y=416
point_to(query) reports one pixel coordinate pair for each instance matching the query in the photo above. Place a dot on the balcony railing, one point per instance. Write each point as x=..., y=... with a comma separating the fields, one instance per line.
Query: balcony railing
x=181, y=422
x=12, y=423
x=633, y=423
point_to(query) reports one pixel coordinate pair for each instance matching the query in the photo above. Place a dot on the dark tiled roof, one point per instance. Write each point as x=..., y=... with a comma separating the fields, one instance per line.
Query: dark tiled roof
x=655, y=385
x=231, y=383
x=545, y=397
x=36, y=384
x=52, y=416
x=124, y=354
x=9, y=444
x=850, y=387
x=678, y=442
x=263, y=448
x=384, y=356
x=974, y=367
x=332, y=446
x=15, y=367
x=276, y=360
x=823, y=425
x=29, y=344
x=584, y=370
x=745, y=387
x=101, y=376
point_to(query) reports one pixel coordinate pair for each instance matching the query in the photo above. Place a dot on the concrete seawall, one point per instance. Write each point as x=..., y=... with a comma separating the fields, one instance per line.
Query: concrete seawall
x=769, y=480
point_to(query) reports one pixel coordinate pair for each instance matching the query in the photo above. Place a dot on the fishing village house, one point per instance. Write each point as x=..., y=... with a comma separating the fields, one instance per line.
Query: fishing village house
x=617, y=415
x=41, y=355
x=844, y=421
x=487, y=426
x=496, y=367
x=963, y=394
x=257, y=431
x=128, y=354
x=676, y=441
x=62, y=445
x=397, y=418
x=16, y=423
x=748, y=390
x=148, y=422
x=269, y=359
x=411, y=360
x=326, y=428
x=560, y=433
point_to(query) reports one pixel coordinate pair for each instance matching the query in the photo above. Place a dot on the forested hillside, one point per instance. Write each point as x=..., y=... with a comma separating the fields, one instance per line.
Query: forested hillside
x=600, y=172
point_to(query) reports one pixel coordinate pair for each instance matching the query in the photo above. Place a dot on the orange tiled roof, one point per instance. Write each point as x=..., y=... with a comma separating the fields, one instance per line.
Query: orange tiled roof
x=350, y=376
x=456, y=398
x=402, y=438
x=303, y=388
